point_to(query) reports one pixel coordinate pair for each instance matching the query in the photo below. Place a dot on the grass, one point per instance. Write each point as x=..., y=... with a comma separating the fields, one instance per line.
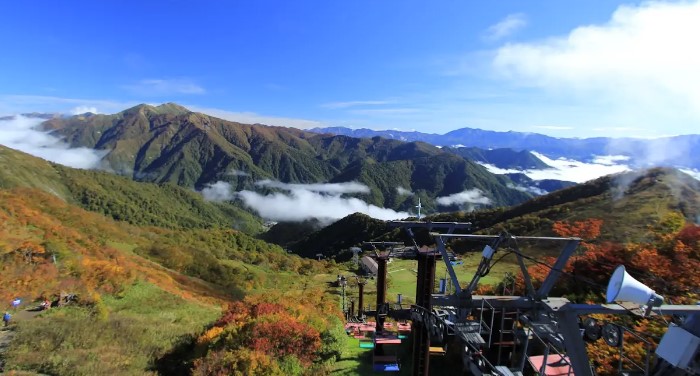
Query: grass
x=402, y=275
x=123, y=337
x=354, y=361
x=124, y=247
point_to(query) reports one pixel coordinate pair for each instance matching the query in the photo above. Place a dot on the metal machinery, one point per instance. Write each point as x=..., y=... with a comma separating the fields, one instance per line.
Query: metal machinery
x=503, y=334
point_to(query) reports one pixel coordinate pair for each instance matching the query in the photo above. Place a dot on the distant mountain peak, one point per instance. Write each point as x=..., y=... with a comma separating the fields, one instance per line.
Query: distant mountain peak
x=163, y=109
x=171, y=107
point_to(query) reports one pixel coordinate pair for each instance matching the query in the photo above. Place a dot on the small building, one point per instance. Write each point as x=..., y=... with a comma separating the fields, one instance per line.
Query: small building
x=369, y=266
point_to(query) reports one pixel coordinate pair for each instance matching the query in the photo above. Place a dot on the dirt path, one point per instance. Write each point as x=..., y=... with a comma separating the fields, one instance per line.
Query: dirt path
x=8, y=333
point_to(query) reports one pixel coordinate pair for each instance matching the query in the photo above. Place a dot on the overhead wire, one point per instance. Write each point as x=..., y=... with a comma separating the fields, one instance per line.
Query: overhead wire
x=488, y=269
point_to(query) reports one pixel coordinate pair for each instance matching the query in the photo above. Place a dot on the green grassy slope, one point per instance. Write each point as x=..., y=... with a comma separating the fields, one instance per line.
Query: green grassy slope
x=142, y=290
x=628, y=203
x=163, y=205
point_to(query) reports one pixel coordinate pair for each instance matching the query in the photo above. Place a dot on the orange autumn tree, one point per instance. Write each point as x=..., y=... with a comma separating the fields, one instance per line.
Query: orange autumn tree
x=237, y=362
x=665, y=262
x=262, y=332
x=588, y=231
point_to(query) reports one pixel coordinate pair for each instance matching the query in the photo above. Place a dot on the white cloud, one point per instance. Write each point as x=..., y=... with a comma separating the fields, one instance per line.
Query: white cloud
x=219, y=191
x=157, y=87
x=642, y=63
x=321, y=201
x=403, y=191
x=299, y=202
x=83, y=109
x=568, y=169
x=331, y=188
x=529, y=189
x=506, y=27
x=22, y=133
x=500, y=171
x=666, y=151
x=339, y=105
x=470, y=196
x=694, y=173
x=572, y=170
x=609, y=160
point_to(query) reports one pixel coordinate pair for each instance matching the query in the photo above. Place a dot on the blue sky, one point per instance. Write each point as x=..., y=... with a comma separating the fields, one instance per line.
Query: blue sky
x=564, y=68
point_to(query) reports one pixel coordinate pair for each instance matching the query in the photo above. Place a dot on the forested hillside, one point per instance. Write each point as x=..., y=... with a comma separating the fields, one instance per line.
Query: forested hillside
x=163, y=205
x=168, y=143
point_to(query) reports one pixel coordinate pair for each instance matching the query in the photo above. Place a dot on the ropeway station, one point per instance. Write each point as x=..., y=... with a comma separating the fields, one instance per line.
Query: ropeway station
x=519, y=335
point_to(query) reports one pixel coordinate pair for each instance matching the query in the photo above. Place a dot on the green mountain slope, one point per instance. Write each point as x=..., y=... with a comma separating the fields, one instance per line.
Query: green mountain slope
x=163, y=205
x=332, y=240
x=167, y=143
x=627, y=203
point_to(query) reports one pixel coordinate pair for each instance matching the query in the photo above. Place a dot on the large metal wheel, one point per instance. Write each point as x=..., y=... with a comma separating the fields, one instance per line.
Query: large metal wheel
x=591, y=329
x=612, y=334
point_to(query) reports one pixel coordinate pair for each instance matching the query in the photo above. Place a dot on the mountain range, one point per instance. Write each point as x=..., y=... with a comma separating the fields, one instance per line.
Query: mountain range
x=677, y=151
x=152, y=261
x=283, y=174
x=169, y=143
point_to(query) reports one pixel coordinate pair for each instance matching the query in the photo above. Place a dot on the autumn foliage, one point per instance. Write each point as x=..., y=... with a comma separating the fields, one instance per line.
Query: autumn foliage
x=48, y=246
x=667, y=262
x=258, y=337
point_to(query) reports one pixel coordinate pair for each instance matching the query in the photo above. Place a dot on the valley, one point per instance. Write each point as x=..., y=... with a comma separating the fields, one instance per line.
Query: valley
x=351, y=188
x=176, y=273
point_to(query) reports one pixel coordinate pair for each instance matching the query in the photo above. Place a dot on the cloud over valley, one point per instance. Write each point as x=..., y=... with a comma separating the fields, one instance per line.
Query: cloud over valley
x=298, y=202
x=22, y=133
x=468, y=199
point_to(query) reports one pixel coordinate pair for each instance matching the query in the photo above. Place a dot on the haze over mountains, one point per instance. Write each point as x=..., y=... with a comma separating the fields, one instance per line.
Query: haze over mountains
x=678, y=151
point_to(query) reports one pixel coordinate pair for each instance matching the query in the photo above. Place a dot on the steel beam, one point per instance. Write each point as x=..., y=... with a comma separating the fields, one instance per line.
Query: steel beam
x=381, y=292
x=526, y=277
x=360, y=303
x=420, y=335
x=497, y=301
x=616, y=309
x=448, y=264
x=559, y=265
x=567, y=321
x=430, y=225
x=472, y=236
